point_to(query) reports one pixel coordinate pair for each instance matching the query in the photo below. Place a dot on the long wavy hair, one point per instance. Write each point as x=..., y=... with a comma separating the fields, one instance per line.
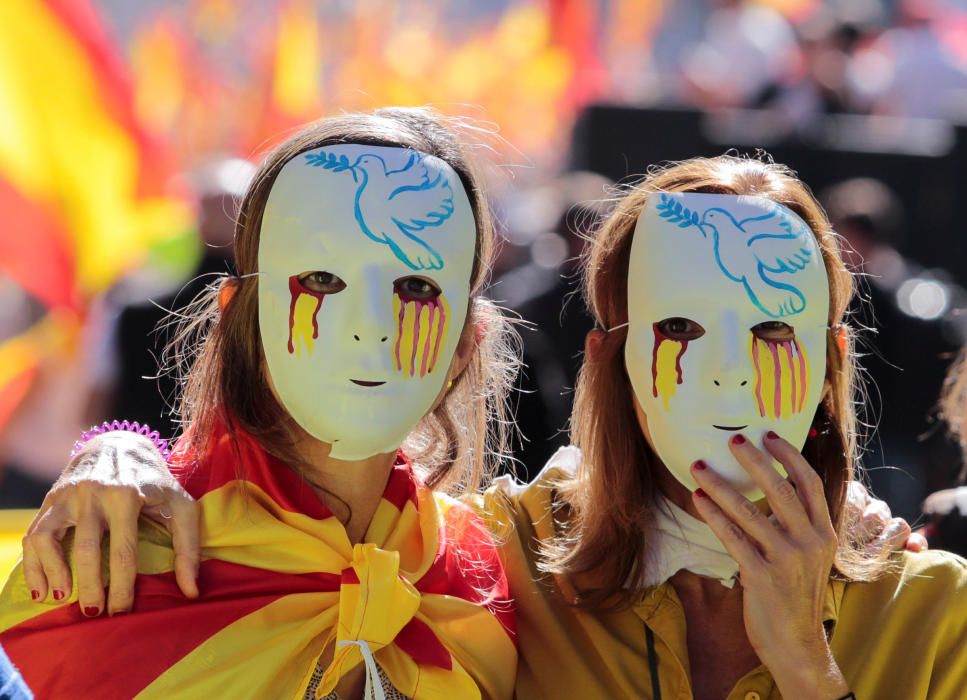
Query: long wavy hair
x=217, y=355
x=610, y=498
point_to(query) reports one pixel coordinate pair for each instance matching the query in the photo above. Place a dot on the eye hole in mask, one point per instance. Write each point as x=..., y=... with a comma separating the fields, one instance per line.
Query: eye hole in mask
x=680, y=329
x=413, y=288
x=321, y=282
x=774, y=331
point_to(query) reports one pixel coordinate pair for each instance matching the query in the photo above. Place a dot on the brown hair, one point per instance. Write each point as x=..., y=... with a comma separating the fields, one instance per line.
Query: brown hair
x=219, y=352
x=611, y=496
x=953, y=404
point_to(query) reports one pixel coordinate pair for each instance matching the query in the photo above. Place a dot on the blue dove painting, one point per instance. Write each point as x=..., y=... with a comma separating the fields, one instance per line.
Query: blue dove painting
x=763, y=253
x=399, y=204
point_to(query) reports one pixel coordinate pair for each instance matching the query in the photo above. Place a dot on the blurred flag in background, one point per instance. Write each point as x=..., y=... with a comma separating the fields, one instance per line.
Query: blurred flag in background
x=85, y=190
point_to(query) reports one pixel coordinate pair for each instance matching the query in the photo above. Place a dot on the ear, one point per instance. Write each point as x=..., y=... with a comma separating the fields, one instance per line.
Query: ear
x=226, y=293
x=592, y=343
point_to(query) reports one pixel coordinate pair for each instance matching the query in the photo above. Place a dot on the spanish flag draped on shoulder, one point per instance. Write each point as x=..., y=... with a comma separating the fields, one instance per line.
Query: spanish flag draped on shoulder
x=280, y=585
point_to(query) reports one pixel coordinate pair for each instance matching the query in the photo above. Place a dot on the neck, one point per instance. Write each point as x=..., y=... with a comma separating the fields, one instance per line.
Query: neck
x=351, y=489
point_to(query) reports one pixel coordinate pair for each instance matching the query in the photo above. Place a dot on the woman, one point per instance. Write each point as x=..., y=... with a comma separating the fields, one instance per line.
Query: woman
x=341, y=566
x=607, y=586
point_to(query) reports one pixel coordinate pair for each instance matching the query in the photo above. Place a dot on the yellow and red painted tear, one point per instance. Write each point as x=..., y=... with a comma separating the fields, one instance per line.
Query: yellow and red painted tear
x=781, y=377
x=666, y=365
x=421, y=330
x=304, y=306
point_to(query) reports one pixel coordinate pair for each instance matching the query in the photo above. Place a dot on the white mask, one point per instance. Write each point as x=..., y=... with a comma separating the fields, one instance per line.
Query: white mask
x=359, y=360
x=728, y=264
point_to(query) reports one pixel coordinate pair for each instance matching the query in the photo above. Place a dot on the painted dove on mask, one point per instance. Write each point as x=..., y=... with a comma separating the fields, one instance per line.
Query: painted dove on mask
x=728, y=303
x=365, y=260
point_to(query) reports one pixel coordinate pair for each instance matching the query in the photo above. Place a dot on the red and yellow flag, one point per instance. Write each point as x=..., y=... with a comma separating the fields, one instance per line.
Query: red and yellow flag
x=84, y=190
x=281, y=583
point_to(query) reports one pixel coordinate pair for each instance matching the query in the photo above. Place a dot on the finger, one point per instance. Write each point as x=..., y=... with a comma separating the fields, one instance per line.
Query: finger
x=892, y=538
x=917, y=543
x=34, y=575
x=183, y=526
x=87, y=562
x=739, y=509
x=780, y=492
x=740, y=547
x=122, y=506
x=808, y=485
x=42, y=547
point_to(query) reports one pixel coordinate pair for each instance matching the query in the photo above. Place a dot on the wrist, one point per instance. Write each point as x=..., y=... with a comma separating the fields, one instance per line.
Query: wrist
x=810, y=675
x=117, y=429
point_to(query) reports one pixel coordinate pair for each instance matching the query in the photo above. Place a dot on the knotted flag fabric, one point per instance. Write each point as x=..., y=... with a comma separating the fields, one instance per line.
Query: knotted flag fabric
x=280, y=584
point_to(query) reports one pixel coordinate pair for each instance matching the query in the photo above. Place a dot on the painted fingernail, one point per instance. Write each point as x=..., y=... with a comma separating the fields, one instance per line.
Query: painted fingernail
x=699, y=465
x=772, y=436
x=738, y=439
x=700, y=493
x=118, y=612
x=34, y=595
x=91, y=611
x=58, y=594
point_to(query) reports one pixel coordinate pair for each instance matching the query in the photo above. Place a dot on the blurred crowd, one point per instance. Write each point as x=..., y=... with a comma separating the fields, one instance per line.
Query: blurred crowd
x=796, y=58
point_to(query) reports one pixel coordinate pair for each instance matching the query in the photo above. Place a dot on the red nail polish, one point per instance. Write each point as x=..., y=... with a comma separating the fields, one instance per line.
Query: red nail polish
x=813, y=433
x=699, y=465
x=738, y=439
x=34, y=595
x=91, y=611
x=700, y=493
x=58, y=595
x=772, y=436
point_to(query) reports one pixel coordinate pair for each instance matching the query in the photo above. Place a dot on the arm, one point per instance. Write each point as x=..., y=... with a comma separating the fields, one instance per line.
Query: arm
x=113, y=479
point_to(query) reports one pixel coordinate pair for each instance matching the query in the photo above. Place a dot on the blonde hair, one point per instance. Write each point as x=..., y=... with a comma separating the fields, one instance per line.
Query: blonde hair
x=610, y=498
x=218, y=352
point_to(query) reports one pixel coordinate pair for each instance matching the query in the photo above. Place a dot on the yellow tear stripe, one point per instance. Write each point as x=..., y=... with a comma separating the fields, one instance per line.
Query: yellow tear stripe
x=666, y=373
x=305, y=309
x=781, y=377
x=421, y=333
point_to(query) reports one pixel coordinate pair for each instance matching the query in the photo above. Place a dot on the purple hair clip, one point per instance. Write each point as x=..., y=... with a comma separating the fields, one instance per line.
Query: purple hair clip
x=131, y=427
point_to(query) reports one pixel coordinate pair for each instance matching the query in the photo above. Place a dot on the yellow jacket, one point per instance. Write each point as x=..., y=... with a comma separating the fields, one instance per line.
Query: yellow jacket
x=903, y=637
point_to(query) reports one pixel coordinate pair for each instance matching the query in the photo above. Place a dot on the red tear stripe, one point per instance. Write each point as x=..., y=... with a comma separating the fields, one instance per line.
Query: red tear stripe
x=659, y=337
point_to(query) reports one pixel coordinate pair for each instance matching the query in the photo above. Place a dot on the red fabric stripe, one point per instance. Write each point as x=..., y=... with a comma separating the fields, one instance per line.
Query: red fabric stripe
x=251, y=463
x=401, y=486
x=418, y=640
x=35, y=249
x=467, y=565
x=349, y=576
x=120, y=656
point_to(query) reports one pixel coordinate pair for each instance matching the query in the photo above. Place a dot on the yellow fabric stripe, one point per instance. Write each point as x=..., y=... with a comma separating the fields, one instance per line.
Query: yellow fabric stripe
x=267, y=654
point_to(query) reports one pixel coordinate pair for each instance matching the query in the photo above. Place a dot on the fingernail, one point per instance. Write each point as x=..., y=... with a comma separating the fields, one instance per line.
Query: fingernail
x=700, y=493
x=772, y=436
x=91, y=611
x=738, y=439
x=34, y=595
x=58, y=594
x=699, y=465
x=117, y=612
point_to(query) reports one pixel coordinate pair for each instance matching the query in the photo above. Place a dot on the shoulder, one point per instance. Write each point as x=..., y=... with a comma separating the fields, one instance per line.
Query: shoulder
x=924, y=589
x=509, y=500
